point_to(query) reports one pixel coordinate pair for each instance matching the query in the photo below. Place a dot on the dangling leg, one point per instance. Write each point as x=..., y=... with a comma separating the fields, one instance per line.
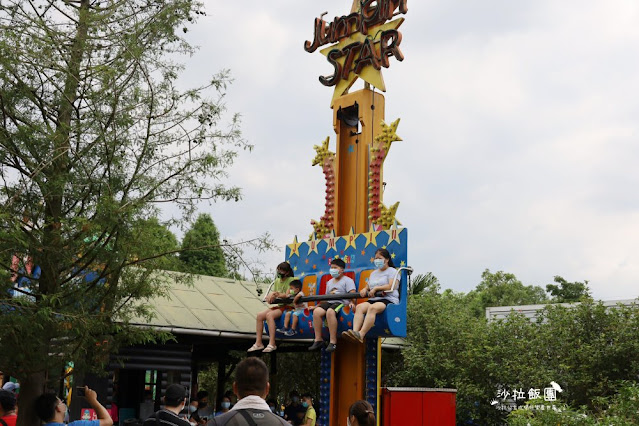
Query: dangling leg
x=369, y=321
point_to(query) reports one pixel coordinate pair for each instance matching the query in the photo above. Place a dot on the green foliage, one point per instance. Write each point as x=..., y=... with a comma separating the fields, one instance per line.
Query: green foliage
x=566, y=292
x=162, y=249
x=620, y=409
x=201, y=251
x=502, y=289
x=94, y=134
x=587, y=349
x=424, y=283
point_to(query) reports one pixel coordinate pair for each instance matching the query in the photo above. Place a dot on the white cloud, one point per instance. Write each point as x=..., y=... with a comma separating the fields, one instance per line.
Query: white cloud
x=519, y=127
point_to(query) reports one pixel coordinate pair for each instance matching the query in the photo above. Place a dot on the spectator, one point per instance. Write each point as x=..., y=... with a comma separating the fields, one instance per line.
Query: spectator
x=11, y=387
x=204, y=411
x=272, y=405
x=361, y=413
x=294, y=412
x=251, y=386
x=174, y=402
x=52, y=410
x=310, y=417
x=8, y=404
x=225, y=406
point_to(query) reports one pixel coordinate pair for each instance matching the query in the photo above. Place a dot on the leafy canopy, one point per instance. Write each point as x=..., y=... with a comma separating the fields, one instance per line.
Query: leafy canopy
x=94, y=136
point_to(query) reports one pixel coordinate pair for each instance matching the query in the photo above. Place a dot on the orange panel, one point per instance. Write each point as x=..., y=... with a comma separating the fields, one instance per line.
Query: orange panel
x=309, y=287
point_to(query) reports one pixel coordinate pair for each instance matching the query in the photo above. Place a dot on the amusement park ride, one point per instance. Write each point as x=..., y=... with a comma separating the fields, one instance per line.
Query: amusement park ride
x=356, y=222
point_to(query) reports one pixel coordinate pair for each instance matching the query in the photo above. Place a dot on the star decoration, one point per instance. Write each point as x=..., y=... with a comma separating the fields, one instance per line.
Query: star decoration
x=368, y=73
x=402, y=263
x=372, y=259
x=322, y=152
x=393, y=234
x=351, y=148
x=371, y=238
x=350, y=239
x=363, y=252
x=393, y=255
x=331, y=241
x=295, y=247
x=388, y=135
x=306, y=261
x=314, y=266
x=294, y=268
x=313, y=244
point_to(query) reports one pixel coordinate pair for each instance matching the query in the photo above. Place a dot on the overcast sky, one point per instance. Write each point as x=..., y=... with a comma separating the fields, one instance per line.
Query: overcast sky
x=520, y=123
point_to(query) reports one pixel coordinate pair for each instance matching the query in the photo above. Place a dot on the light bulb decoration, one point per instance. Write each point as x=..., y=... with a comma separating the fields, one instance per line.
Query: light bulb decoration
x=326, y=159
x=379, y=214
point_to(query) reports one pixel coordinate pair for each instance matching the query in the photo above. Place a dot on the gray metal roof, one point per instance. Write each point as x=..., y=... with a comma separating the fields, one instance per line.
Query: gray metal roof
x=211, y=306
x=530, y=311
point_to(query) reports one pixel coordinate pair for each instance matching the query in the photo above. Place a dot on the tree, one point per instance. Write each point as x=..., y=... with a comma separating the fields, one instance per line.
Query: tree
x=205, y=261
x=566, y=292
x=161, y=243
x=424, y=283
x=94, y=136
x=503, y=289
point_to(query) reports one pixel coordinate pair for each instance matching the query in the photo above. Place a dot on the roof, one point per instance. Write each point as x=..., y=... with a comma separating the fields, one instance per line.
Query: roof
x=530, y=311
x=210, y=306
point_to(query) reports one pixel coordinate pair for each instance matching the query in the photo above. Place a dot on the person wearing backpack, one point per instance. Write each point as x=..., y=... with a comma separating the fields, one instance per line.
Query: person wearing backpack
x=174, y=402
x=251, y=387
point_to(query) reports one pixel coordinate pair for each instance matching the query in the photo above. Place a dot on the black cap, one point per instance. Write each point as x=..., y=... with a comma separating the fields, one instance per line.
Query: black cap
x=175, y=393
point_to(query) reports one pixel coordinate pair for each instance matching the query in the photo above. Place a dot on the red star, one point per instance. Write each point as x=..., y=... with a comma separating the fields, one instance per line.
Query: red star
x=314, y=266
x=350, y=324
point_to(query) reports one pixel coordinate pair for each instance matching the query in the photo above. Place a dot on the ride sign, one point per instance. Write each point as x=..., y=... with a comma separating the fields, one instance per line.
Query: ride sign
x=365, y=43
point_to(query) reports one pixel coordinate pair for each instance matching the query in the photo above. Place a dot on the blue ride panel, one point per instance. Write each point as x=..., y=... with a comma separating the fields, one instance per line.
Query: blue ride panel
x=311, y=262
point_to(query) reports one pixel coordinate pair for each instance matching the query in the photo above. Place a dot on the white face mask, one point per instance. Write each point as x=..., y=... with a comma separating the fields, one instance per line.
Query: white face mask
x=348, y=421
x=379, y=263
x=334, y=272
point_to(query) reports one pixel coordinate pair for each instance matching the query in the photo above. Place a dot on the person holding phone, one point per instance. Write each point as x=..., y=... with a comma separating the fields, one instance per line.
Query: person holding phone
x=52, y=410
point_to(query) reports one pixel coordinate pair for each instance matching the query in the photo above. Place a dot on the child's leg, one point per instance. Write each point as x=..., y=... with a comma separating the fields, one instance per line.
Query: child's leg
x=287, y=317
x=295, y=320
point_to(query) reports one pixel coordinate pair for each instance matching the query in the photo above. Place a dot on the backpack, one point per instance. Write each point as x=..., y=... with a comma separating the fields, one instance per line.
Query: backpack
x=251, y=418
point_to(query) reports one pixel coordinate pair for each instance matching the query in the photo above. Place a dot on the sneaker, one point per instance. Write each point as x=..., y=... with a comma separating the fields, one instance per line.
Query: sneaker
x=331, y=347
x=316, y=346
x=281, y=330
x=290, y=332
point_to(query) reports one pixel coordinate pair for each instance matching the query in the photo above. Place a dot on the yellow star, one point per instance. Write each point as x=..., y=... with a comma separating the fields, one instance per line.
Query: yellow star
x=294, y=268
x=402, y=263
x=371, y=238
x=388, y=134
x=295, y=248
x=393, y=234
x=322, y=152
x=312, y=244
x=350, y=239
x=331, y=241
x=302, y=274
x=393, y=255
x=369, y=73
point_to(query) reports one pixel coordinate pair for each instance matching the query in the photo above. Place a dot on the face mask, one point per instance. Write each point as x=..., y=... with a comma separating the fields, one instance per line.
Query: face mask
x=334, y=272
x=304, y=404
x=348, y=421
x=226, y=405
x=202, y=404
x=294, y=291
x=192, y=408
x=279, y=275
x=295, y=399
x=379, y=263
